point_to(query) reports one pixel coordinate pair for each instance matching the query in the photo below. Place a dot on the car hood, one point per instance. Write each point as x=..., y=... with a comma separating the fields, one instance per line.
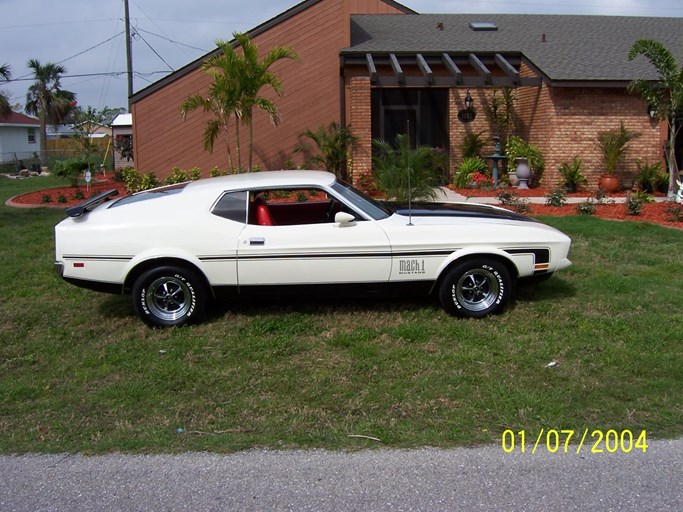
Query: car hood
x=463, y=210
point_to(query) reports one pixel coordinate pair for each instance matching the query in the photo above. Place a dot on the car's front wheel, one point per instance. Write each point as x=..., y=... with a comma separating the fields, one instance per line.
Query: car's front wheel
x=169, y=296
x=475, y=288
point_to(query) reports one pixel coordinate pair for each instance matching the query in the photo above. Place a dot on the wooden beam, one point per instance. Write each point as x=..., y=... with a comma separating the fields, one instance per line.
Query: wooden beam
x=452, y=68
x=397, y=68
x=508, y=68
x=424, y=67
x=372, y=69
x=480, y=68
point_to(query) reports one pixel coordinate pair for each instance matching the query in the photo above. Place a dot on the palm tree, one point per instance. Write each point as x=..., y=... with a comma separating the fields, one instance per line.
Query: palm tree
x=221, y=101
x=666, y=95
x=5, y=107
x=332, y=144
x=253, y=75
x=47, y=100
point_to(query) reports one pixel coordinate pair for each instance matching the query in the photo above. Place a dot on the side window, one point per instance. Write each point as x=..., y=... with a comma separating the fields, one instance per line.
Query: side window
x=287, y=207
x=232, y=206
x=31, y=135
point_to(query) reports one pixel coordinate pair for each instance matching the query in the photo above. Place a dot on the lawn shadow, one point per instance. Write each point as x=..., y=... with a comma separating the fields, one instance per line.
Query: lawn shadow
x=554, y=289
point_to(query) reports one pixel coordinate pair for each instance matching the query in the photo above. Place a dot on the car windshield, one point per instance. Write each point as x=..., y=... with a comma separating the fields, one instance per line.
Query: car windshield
x=362, y=202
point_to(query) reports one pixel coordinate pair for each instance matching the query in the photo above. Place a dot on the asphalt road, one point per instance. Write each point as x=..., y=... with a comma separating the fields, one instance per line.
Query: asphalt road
x=372, y=480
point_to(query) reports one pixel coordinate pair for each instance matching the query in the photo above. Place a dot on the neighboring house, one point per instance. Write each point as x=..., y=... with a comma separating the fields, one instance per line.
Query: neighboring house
x=122, y=133
x=19, y=137
x=383, y=69
x=66, y=131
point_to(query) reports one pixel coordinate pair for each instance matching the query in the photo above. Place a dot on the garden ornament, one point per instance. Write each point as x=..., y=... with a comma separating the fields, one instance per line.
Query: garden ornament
x=679, y=194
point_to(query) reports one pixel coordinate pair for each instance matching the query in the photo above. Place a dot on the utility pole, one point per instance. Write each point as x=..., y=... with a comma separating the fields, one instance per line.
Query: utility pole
x=129, y=54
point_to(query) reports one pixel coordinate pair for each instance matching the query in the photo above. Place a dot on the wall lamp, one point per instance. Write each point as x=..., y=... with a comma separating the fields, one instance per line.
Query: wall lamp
x=651, y=111
x=468, y=100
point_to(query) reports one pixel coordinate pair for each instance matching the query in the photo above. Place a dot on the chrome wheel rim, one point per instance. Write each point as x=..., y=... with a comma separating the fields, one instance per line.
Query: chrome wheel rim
x=168, y=298
x=477, y=289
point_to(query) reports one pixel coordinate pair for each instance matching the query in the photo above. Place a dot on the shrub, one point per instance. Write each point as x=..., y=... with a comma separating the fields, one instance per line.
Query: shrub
x=195, y=174
x=46, y=198
x=61, y=198
x=70, y=169
x=572, y=174
x=78, y=194
x=405, y=173
x=132, y=179
x=649, y=176
x=149, y=180
x=556, y=198
x=674, y=212
x=472, y=144
x=507, y=197
x=177, y=176
x=635, y=202
x=586, y=207
x=463, y=176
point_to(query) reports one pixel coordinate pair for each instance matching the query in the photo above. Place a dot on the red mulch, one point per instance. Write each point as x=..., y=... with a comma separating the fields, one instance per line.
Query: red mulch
x=533, y=192
x=96, y=187
x=653, y=212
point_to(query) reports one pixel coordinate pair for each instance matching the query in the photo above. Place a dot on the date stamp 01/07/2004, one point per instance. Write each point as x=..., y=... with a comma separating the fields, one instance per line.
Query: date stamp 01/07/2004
x=564, y=441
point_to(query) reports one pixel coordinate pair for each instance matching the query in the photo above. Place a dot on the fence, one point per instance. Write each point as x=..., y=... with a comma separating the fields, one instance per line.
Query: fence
x=58, y=149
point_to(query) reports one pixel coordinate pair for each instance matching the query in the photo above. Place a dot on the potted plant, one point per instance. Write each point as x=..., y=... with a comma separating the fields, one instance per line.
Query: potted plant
x=614, y=144
x=517, y=148
x=572, y=175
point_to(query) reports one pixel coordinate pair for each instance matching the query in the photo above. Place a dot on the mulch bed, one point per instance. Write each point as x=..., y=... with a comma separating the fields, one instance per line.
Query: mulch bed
x=654, y=212
x=63, y=197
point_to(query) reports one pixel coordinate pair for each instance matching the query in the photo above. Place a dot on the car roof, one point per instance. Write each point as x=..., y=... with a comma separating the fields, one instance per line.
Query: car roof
x=264, y=179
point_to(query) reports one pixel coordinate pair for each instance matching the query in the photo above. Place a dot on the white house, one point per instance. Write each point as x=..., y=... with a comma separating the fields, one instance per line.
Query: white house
x=19, y=137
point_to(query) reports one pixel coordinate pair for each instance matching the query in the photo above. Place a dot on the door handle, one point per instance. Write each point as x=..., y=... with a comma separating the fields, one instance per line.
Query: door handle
x=257, y=241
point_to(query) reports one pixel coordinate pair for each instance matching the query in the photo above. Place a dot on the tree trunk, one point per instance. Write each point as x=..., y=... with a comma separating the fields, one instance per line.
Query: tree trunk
x=43, y=134
x=671, y=156
x=237, y=138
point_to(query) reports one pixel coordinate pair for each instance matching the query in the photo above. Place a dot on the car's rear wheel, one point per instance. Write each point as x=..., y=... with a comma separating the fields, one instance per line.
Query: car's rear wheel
x=169, y=296
x=475, y=288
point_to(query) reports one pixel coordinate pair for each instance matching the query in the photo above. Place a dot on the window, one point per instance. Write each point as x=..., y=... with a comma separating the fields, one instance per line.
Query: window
x=288, y=207
x=31, y=135
x=232, y=206
x=421, y=113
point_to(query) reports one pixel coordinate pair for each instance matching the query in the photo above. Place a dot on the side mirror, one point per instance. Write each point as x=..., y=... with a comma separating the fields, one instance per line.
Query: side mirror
x=344, y=218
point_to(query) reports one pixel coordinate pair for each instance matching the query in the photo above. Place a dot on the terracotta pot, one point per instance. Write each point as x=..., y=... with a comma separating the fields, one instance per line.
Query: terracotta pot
x=609, y=183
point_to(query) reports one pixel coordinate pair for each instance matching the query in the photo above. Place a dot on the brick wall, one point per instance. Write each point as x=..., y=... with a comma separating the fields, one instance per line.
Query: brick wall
x=361, y=126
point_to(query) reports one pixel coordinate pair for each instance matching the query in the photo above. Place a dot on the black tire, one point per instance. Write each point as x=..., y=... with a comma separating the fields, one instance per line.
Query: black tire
x=475, y=288
x=169, y=296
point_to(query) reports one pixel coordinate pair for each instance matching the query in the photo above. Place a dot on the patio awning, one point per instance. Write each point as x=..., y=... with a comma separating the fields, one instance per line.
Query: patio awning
x=443, y=70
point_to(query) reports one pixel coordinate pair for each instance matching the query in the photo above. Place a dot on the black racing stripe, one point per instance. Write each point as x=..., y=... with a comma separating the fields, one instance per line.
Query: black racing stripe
x=327, y=255
x=540, y=255
x=96, y=258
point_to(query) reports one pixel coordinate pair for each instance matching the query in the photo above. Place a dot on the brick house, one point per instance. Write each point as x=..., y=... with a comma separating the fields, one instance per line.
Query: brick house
x=384, y=69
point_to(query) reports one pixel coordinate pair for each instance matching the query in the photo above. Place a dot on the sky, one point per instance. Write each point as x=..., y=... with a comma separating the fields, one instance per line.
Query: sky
x=87, y=36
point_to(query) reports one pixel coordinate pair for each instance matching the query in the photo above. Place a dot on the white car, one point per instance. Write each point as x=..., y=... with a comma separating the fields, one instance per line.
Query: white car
x=175, y=248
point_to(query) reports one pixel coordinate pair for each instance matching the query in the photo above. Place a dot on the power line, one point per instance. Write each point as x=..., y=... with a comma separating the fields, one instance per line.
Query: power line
x=91, y=48
x=136, y=33
x=172, y=41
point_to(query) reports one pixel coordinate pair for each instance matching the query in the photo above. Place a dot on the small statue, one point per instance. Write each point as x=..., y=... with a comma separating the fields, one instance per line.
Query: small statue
x=679, y=194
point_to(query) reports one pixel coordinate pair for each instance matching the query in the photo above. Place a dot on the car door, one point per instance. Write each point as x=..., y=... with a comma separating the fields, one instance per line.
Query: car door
x=317, y=253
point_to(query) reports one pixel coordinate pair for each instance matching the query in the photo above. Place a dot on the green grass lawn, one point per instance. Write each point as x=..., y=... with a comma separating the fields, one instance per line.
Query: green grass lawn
x=79, y=372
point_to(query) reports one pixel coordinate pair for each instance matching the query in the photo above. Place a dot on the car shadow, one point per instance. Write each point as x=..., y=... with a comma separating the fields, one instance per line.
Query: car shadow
x=554, y=289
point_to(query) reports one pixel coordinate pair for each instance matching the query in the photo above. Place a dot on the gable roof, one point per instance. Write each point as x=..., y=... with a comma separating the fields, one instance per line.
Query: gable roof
x=17, y=119
x=562, y=47
x=263, y=27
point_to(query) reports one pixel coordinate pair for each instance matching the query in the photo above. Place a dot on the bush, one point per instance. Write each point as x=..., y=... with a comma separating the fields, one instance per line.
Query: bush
x=572, y=174
x=78, y=194
x=556, y=198
x=507, y=197
x=635, y=202
x=463, y=176
x=70, y=169
x=61, y=198
x=46, y=198
x=405, y=173
x=195, y=174
x=472, y=144
x=674, y=212
x=586, y=207
x=177, y=176
x=649, y=176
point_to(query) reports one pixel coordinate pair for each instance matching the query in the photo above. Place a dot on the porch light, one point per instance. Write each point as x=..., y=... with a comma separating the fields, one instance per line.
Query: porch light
x=651, y=111
x=468, y=100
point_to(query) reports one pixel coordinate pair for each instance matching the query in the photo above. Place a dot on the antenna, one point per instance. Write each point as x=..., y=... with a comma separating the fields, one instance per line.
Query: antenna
x=410, y=171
